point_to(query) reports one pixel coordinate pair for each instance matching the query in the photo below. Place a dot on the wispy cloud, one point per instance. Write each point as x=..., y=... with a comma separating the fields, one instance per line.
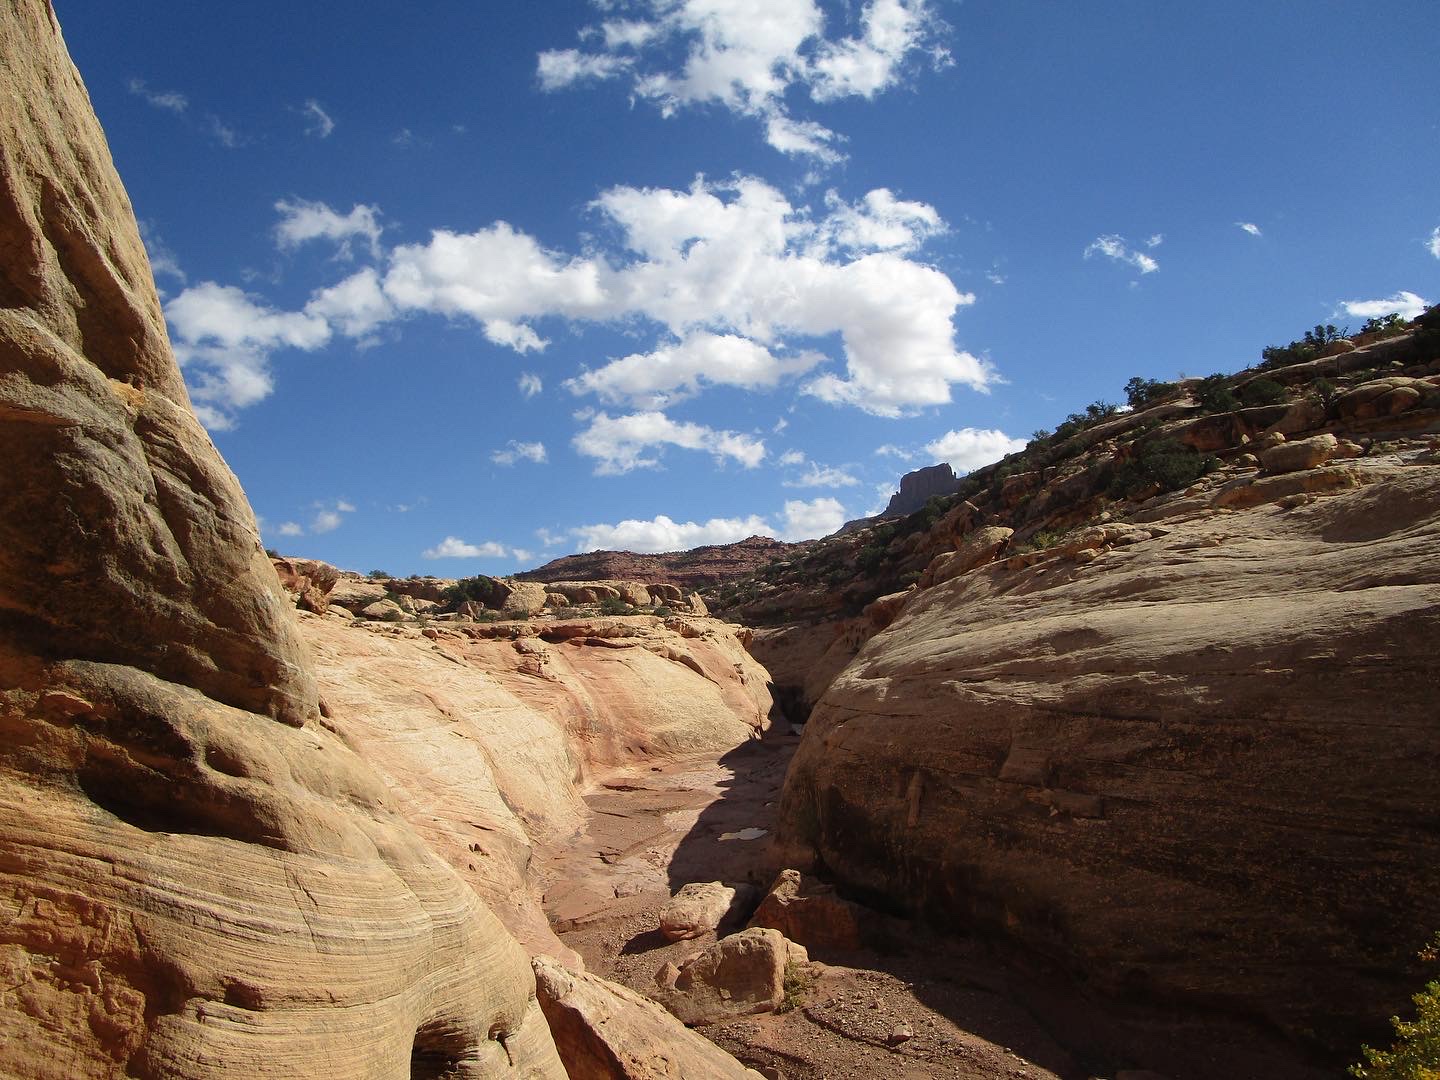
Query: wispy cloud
x=530, y=384
x=1434, y=242
x=1250, y=227
x=318, y=122
x=1114, y=247
x=1155, y=241
x=818, y=475
x=169, y=100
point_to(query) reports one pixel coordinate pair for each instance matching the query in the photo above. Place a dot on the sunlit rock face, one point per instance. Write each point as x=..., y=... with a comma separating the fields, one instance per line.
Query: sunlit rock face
x=1194, y=763
x=197, y=877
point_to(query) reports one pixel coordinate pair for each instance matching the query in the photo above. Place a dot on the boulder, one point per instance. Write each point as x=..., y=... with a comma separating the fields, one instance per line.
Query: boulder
x=383, y=611
x=808, y=911
x=357, y=593
x=697, y=909
x=1301, y=454
x=609, y=1032
x=523, y=597
x=740, y=975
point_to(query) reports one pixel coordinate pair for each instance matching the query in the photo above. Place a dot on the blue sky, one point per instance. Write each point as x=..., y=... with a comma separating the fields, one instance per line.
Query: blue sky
x=463, y=286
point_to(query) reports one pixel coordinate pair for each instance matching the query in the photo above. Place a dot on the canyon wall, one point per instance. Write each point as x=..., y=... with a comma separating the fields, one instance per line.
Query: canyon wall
x=1190, y=759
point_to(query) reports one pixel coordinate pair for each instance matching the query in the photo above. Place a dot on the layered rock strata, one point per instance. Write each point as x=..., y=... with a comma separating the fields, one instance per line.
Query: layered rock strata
x=1190, y=757
x=197, y=879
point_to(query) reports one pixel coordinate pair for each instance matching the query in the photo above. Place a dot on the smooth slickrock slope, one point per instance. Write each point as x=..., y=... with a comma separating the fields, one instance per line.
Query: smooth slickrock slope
x=487, y=739
x=1199, y=769
x=197, y=879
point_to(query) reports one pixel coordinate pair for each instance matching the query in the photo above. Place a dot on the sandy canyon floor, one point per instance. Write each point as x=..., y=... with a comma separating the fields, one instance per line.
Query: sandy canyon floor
x=931, y=1007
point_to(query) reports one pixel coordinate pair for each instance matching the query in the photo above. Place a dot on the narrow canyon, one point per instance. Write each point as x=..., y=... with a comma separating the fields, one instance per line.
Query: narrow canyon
x=1114, y=760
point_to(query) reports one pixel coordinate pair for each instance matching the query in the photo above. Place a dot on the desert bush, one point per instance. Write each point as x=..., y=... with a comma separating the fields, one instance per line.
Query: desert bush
x=1214, y=395
x=479, y=588
x=1166, y=463
x=613, y=605
x=663, y=611
x=378, y=575
x=1141, y=392
x=1039, y=541
x=1262, y=392
x=1386, y=325
x=1416, y=1053
x=798, y=982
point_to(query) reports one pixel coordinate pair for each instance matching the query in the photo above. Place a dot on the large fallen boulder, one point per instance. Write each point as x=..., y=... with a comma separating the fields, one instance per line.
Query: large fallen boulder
x=609, y=1032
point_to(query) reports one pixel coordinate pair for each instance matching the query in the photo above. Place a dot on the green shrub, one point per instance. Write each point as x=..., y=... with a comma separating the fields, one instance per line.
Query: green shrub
x=1166, y=463
x=1214, y=395
x=1416, y=1053
x=798, y=982
x=1263, y=392
x=378, y=575
x=1141, y=392
x=1388, y=325
x=1040, y=541
x=613, y=605
x=870, y=557
x=480, y=588
x=663, y=611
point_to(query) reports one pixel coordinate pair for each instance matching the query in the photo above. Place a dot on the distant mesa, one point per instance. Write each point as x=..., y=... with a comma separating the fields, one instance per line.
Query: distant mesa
x=697, y=568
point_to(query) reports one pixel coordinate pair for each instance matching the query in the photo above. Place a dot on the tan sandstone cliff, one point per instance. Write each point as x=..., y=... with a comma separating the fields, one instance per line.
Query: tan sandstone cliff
x=1191, y=758
x=196, y=878
x=201, y=874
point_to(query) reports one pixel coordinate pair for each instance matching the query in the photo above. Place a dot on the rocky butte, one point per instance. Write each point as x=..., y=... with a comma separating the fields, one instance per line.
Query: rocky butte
x=1118, y=757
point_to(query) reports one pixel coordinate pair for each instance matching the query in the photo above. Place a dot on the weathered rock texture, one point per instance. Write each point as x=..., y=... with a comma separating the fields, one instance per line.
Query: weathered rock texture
x=488, y=735
x=1195, y=761
x=917, y=487
x=197, y=879
x=608, y=1032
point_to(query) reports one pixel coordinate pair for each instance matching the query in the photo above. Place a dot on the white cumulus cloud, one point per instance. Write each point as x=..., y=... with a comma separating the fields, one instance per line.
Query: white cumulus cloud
x=1433, y=244
x=302, y=220
x=745, y=55
x=676, y=372
x=969, y=448
x=520, y=451
x=452, y=547
x=737, y=283
x=1404, y=303
x=799, y=520
x=622, y=443
x=530, y=384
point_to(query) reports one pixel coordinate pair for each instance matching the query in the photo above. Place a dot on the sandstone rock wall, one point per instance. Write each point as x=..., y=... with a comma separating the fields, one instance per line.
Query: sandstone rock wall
x=488, y=735
x=1193, y=763
x=197, y=879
